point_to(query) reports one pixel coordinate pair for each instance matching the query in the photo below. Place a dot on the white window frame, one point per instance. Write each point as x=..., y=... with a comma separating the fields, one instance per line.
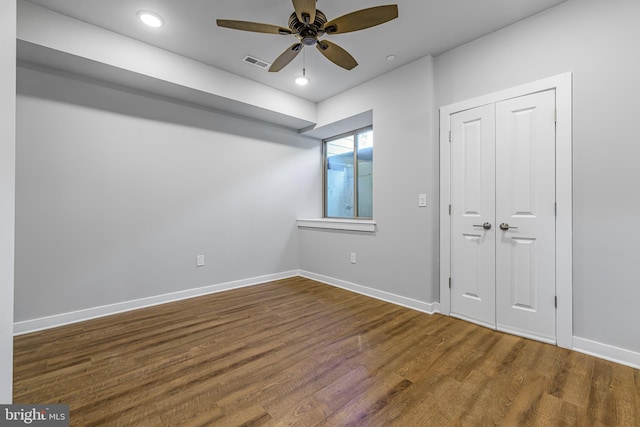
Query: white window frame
x=325, y=165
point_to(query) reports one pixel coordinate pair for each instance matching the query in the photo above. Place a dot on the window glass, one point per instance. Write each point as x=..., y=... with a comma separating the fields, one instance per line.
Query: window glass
x=339, y=178
x=365, y=174
x=348, y=175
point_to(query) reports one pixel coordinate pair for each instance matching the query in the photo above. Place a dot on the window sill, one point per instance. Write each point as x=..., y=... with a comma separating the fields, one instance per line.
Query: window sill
x=364, y=225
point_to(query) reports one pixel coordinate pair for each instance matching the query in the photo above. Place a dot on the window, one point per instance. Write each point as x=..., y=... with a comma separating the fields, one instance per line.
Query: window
x=348, y=175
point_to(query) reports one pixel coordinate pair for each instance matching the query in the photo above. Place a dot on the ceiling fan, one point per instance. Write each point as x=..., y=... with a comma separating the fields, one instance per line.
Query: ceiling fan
x=309, y=24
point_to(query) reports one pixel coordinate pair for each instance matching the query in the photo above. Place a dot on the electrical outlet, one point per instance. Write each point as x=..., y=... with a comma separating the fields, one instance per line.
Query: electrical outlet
x=422, y=200
x=353, y=257
x=200, y=261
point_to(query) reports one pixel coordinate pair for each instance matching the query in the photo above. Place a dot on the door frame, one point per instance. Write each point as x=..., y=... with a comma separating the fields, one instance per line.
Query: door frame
x=564, y=216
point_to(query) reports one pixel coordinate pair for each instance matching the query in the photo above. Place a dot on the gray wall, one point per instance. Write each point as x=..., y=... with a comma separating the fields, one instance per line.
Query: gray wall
x=118, y=192
x=597, y=40
x=402, y=256
x=7, y=192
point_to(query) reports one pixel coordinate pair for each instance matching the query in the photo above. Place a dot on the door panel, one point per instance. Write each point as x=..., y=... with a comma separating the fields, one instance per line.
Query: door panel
x=525, y=200
x=473, y=204
x=523, y=274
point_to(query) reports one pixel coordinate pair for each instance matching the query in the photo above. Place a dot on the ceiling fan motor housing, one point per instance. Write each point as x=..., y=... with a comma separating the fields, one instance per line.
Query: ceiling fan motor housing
x=308, y=33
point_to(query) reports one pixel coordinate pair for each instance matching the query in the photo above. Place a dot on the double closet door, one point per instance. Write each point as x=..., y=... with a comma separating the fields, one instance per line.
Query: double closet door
x=503, y=207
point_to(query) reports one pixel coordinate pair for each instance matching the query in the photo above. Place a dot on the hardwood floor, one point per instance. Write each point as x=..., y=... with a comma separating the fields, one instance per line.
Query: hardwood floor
x=296, y=352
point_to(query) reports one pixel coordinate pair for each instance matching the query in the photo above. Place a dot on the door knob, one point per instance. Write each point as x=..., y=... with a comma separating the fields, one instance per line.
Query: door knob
x=486, y=225
x=505, y=227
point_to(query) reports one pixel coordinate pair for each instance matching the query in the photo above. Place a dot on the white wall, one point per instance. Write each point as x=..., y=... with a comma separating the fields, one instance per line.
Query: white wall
x=7, y=192
x=118, y=192
x=402, y=256
x=597, y=40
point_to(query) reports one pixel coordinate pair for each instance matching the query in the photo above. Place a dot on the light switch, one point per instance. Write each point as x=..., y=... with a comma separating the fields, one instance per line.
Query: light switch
x=422, y=200
x=200, y=261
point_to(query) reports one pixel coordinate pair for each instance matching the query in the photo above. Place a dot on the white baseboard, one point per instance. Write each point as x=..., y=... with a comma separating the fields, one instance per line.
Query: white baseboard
x=425, y=307
x=607, y=352
x=582, y=345
x=33, y=325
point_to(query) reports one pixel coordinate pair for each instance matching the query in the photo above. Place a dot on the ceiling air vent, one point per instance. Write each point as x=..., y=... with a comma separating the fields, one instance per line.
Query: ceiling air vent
x=257, y=62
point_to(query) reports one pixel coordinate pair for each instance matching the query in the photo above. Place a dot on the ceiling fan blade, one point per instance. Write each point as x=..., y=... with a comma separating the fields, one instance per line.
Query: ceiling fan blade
x=303, y=8
x=286, y=57
x=361, y=19
x=255, y=27
x=336, y=54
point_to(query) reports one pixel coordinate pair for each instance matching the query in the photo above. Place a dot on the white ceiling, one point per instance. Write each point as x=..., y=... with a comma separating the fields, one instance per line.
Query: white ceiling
x=423, y=27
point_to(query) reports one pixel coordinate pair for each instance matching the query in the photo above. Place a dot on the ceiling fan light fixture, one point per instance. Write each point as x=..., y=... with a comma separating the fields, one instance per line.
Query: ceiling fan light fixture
x=302, y=80
x=309, y=40
x=151, y=19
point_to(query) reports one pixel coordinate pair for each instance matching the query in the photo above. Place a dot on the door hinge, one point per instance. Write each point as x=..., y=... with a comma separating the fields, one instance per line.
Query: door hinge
x=556, y=208
x=449, y=210
x=449, y=136
x=449, y=282
x=556, y=301
x=555, y=115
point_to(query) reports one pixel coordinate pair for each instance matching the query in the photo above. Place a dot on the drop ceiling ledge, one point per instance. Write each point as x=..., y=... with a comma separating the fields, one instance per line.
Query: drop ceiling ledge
x=54, y=41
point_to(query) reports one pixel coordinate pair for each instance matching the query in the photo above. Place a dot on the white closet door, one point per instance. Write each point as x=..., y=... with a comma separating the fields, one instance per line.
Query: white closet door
x=473, y=204
x=525, y=216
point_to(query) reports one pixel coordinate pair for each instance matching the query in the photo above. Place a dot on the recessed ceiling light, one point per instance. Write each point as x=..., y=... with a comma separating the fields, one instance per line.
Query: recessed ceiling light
x=391, y=58
x=151, y=19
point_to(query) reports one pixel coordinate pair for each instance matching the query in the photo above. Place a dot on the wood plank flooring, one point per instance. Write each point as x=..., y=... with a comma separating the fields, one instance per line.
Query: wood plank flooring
x=297, y=352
